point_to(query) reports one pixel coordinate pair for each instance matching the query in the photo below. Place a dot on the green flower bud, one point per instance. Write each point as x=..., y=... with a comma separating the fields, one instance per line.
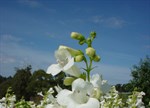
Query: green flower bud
x=72, y=51
x=77, y=36
x=90, y=52
x=68, y=81
x=79, y=58
x=96, y=58
x=89, y=41
x=93, y=34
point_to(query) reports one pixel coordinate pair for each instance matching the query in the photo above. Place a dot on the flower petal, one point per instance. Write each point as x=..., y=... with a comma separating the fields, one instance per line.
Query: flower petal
x=54, y=69
x=92, y=103
x=63, y=97
x=74, y=71
x=69, y=64
x=105, y=87
x=62, y=54
x=96, y=80
x=81, y=85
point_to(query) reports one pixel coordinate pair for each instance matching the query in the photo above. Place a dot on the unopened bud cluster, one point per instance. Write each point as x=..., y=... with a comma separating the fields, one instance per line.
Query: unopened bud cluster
x=89, y=51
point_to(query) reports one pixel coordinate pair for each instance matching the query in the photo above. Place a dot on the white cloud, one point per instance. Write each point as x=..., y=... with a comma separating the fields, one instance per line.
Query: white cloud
x=6, y=59
x=14, y=54
x=112, y=73
x=115, y=22
x=112, y=22
x=97, y=19
x=9, y=38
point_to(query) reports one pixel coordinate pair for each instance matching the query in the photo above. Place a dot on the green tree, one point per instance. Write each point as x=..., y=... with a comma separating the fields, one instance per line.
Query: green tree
x=4, y=85
x=127, y=87
x=2, y=79
x=141, y=78
x=118, y=87
x=40, y=81
x=20, y=82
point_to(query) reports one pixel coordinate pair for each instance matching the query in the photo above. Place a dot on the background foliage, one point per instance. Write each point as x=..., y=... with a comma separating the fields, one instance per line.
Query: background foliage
x=26, y=84
x=140, y=80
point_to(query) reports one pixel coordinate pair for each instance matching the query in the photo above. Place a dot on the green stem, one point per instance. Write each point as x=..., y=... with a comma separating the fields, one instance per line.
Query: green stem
x=86, y=63
x=88, y=68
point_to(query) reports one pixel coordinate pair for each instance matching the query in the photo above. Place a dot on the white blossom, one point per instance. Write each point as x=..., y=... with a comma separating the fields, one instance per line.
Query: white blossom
x=79, y=97
x=65, y=63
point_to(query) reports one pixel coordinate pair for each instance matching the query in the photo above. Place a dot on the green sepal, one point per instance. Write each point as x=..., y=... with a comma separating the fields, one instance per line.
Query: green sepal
x=68, y=81
x=83, y=76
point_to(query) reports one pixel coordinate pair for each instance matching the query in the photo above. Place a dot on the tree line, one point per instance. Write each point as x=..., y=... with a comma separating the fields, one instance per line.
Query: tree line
x=26, y=84
x=140, y=80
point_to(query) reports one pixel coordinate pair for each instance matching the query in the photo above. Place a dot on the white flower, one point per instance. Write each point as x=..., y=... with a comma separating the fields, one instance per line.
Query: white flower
x=79, y=97
x=2, y=100
x=40, y=94
x=97, y=82
x=2, y=105
x=139, y=102
x=58, y=88
x=65, y=64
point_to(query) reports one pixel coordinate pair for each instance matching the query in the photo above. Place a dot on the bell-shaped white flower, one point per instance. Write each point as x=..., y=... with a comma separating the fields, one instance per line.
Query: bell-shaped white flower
x=97, y=82
x=79, y=97
x=65, y=64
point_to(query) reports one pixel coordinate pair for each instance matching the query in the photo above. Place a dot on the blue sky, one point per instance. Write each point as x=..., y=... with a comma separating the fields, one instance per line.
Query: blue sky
x=31, y=30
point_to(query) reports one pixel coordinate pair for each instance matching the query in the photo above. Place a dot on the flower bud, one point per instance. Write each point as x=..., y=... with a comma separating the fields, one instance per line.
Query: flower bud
x=90, y=52
x=68, y=81
x=89, y=41
x=96, y=58
x=77, y=36
x=72, y=51
x=93, y=34
x=79, y=58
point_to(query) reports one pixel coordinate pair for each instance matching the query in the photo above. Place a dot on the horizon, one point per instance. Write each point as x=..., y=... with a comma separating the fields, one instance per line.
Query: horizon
x=31, y=31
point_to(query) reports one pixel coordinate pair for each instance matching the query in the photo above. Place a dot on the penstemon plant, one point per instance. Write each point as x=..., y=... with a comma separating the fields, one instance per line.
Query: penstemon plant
x=90, y=51
x=87, y=91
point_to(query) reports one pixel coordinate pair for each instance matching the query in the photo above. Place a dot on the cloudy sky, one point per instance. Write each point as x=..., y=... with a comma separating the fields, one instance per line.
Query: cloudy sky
x=31, y=30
